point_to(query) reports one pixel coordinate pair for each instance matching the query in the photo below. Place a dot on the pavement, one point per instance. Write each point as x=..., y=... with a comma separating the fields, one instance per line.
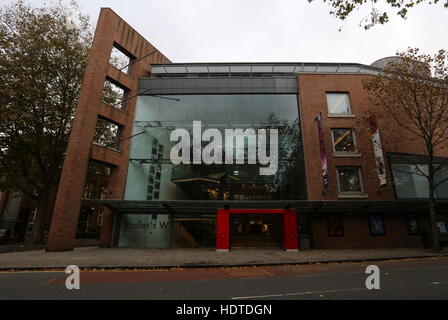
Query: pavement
x=113, y=258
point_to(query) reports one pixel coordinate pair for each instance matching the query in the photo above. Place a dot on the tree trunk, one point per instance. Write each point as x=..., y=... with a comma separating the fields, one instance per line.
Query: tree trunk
x=42, y=220
x=434, y=228
x=432, y=206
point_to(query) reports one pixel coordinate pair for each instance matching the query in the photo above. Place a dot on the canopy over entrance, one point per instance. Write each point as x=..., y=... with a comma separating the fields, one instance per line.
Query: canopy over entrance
x=302, y=206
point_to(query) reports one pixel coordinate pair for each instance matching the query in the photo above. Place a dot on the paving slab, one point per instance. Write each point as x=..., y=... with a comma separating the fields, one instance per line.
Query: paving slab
x=93, y=257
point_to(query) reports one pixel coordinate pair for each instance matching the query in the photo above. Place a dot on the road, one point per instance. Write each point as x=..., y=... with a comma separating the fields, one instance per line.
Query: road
x=404, y=279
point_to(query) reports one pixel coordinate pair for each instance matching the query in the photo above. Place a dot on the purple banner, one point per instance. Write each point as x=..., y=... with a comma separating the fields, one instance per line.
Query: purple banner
x=323, y=153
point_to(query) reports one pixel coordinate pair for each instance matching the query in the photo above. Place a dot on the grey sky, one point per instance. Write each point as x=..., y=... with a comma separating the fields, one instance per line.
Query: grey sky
x=268, y=30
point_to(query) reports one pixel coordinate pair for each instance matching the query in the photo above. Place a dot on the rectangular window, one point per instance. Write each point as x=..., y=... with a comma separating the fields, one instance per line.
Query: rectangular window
x=107, y=134
x=121, y=59
x=114, y=95
x=339, y=104
x=344, y=141
x=160, y=116
x=350, y=180
x=443, y=227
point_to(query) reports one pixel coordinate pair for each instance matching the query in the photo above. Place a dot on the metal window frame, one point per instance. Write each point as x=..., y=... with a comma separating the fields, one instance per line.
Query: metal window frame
x=361, y=180
x=355, y=142
x=349, y=103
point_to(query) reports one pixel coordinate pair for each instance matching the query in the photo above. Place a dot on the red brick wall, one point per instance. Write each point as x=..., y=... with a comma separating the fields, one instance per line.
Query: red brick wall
x=312, y=91
x=357, y=233
x=110, y=29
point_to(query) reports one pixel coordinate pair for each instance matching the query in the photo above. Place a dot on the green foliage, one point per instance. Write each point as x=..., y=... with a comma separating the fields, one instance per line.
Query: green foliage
x=342, y=9
x=42, y=61
x=412, y=91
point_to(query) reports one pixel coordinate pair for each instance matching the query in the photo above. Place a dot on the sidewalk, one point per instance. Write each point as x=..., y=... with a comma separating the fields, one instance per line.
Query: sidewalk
x=93, y=257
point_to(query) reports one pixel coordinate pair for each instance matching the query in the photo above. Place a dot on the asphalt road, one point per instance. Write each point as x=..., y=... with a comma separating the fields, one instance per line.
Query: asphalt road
x=405, y=279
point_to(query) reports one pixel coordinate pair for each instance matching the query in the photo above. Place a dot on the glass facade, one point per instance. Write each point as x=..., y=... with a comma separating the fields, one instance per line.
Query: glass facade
x=410, y=182
x=153, y=176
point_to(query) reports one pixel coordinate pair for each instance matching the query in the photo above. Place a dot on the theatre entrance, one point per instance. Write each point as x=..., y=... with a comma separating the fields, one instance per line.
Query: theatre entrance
x=256, y=230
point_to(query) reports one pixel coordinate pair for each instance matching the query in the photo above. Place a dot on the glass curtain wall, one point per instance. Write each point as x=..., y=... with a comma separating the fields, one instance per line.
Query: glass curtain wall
x=411, y=183
x=152, y=175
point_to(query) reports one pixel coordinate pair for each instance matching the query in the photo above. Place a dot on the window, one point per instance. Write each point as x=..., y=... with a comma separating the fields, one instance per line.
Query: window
x=338, y=104
x=350, y=180
x=121, y=59
x=160, y=116
x=344, y=141
x=114, y=95
x=443, y=227
x=411, y=183
x=107, y=134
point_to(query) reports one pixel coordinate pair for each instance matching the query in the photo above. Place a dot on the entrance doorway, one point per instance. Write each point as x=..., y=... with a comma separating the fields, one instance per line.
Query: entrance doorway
x=256, y=230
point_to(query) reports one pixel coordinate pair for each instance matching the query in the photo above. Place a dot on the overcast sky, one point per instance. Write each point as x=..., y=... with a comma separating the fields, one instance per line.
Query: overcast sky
x=270, y=30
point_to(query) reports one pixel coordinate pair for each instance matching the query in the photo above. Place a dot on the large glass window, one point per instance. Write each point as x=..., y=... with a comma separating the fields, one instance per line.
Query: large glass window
x=350, y=180
x=152, y=175
x=339, y=104
x=411, y=182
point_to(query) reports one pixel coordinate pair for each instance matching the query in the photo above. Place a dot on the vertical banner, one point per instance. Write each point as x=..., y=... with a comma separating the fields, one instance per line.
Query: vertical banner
x=323, y=153
x=378, y=150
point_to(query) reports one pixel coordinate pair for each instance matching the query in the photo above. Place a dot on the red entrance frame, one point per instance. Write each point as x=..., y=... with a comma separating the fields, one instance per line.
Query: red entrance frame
x=290, y=234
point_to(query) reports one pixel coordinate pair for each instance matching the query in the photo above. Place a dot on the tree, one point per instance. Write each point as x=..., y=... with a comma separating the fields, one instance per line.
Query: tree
x=413, y=93
x=43, y=55
x=343, y=8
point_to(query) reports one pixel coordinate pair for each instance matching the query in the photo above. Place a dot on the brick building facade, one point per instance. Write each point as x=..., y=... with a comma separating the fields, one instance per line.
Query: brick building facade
x=149, y=202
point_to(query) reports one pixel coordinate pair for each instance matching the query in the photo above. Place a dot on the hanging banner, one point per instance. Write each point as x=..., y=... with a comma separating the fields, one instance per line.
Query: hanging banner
x=323, y=154
x=378, y=150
